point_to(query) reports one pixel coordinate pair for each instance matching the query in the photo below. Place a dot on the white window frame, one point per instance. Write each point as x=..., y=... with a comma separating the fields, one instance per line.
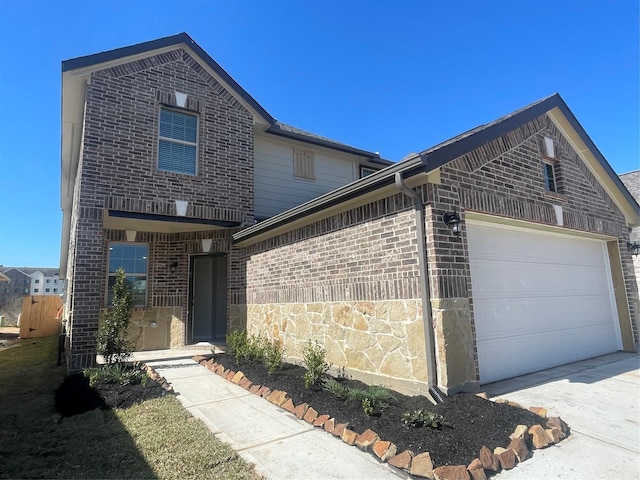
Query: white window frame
x=178, y=141
x=364, y=169
x=128, y=274
x=545, y=166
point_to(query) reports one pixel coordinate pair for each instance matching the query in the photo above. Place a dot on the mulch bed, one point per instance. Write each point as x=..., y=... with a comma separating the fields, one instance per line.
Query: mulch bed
x=75, y=396
x=474, y=421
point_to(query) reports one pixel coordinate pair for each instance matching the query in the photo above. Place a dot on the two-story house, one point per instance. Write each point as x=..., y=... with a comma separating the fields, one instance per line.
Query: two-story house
x=499, y=252
x=164, y=156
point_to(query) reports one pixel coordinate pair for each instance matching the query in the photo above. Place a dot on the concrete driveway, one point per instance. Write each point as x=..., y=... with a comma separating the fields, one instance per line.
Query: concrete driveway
x=600, y=400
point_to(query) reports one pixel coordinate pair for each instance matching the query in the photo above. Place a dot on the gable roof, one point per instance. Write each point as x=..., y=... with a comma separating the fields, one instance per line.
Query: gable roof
x=273, y=126
x=631, y=180
x=432, y=158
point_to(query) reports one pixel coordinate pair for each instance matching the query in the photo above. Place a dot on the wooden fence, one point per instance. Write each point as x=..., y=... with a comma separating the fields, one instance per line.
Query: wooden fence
x=38, y=318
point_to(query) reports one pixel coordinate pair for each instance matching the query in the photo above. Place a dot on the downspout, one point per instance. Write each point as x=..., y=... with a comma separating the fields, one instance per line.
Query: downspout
x=432, y=382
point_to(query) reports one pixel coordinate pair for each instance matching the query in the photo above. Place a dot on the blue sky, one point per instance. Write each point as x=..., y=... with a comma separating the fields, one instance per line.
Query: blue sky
x=387, y=76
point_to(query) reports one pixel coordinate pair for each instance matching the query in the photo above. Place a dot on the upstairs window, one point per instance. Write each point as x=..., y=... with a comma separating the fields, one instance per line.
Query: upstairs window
x=177, y=146
x=366, y=171
x=133, y=259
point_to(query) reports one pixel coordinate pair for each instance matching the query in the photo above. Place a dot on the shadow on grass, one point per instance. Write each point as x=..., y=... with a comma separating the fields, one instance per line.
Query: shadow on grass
x=36, y=442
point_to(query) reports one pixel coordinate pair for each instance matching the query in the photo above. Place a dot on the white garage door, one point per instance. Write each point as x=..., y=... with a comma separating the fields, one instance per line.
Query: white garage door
x=539, y=299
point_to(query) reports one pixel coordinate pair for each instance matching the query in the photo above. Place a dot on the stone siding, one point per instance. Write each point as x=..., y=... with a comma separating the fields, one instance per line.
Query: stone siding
x=381, y=341
x=118, y=171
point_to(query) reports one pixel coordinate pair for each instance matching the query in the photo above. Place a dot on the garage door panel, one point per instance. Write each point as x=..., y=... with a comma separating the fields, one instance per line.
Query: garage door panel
x=522, y=317
x=519, y=355
x=503, y=278
x=539, y=300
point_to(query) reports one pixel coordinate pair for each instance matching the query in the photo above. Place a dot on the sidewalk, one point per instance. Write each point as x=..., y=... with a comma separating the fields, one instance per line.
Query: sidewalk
x=279, y=445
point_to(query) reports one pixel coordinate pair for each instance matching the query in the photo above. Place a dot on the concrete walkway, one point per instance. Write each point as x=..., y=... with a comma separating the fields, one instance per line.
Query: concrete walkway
x=600, y=400
x=280, y=445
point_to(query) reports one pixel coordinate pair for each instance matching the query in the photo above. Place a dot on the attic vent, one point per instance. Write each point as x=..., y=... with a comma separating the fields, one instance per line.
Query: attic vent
x=303, y=164
x=550, y=150
x=181, y=99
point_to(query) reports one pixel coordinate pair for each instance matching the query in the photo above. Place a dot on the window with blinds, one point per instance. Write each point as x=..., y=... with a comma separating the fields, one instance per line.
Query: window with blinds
x=178, y=142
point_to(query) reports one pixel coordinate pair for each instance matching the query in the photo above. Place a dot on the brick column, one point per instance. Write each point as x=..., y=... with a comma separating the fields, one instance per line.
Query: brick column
x=88, y=290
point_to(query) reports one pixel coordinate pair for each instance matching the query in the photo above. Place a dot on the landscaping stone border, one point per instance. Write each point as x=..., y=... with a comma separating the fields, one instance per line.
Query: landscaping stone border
x=153, y=375
x=524, y=439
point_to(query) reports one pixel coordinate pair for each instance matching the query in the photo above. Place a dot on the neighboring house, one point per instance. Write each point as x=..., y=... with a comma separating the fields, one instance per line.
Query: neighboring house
x=18, y=286
x=523, y=225
x=4, y=278
x=631, y=180
x=164, y=156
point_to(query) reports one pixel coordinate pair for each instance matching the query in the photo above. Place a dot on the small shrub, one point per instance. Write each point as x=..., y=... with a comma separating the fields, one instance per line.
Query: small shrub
x=237, y=343
x=335, y=387
x=273, y=357
x=367, y=407
x=255, y=348
x=378, y=397
x=117, y=373
x=424, y=418
x=314, y=360
x=111, y=340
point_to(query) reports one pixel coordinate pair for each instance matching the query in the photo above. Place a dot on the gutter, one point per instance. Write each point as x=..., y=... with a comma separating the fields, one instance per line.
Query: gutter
x=427, y=320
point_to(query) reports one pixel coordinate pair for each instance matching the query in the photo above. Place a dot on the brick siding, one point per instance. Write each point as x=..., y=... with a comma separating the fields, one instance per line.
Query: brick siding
x=118, y=170
x=368, y=253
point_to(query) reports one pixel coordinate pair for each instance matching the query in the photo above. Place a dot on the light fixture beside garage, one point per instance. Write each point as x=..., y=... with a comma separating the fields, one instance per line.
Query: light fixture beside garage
x=452, y=220
x=634, y=248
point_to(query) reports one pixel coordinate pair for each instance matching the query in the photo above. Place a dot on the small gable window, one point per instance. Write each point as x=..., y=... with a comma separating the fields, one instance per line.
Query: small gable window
x=549, y=176
x=366, y=171
x=177, y=146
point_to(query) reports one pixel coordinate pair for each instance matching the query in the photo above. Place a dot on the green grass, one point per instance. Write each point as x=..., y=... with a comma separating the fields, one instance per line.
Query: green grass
x=154, y=439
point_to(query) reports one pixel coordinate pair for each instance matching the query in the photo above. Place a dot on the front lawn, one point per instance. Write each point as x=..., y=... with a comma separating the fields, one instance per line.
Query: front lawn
x=156, y=438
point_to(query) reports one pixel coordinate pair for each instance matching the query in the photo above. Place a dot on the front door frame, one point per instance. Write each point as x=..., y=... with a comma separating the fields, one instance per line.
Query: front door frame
x=219, y=302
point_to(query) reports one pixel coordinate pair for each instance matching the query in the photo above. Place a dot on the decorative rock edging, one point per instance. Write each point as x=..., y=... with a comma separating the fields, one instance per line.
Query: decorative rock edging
x=523, y=439
x=153, y=375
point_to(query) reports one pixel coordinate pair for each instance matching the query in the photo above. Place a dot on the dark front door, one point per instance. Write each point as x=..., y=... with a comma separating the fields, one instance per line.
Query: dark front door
x=208, y=298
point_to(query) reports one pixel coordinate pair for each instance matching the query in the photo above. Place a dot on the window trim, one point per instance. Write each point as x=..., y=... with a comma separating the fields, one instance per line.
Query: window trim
x=370, y=169
x=548, y=162
x=181, y=142
x=145, y=275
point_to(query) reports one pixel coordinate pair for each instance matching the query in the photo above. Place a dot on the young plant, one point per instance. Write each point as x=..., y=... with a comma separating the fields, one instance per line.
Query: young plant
x=424, y=418
x=367, y=407
x=333, y=386
x=112, y=343
x=376, y=396
x=273, y=356
x=117, y=373
x=256, y=347
x=237, y=343
x=314, y=360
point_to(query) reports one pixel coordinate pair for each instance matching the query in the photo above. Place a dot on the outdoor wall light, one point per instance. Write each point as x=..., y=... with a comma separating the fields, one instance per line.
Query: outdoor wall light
x=452, y=220
x=173, y=266
x=634, y=248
